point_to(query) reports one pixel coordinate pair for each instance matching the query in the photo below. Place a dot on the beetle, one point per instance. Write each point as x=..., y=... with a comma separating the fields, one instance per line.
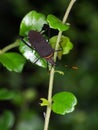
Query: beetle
x=41, y=45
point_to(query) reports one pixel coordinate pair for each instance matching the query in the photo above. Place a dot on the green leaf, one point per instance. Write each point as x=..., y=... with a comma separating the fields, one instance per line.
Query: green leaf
x=32, y=55
x=65, y=45
x=6, y=94
x=6, y=120
x=32, y=21
x=44, y=102
x=63, y=102
x=12, y=61
x=55, y=23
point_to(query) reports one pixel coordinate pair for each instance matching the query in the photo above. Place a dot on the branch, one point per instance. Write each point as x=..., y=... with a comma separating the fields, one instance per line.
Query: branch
x=9, y=47
x=48, y=111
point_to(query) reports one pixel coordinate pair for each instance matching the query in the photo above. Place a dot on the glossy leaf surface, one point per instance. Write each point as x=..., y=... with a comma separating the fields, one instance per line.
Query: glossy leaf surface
x=63, y=102
x=32, y=21
x=56, y=23
x=12, y=61
x=32, y=55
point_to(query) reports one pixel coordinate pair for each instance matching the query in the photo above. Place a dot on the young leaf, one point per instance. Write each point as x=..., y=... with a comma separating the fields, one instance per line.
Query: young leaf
x=32, y=21
x=12, y=61
x=6, y=95
x=32, y=55
x=56, y=23
x=65, y=45
x=63, y=102
x=44, y=102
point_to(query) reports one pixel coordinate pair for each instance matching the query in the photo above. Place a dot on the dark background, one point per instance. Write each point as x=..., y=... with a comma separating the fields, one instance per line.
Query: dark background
x=32, y=83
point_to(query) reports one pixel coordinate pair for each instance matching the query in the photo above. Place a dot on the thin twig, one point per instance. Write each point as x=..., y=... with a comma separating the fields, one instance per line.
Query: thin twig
x=48, y=111
x=9, y=47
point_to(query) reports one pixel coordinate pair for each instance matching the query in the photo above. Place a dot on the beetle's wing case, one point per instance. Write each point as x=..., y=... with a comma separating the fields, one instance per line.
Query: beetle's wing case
x=39, y=43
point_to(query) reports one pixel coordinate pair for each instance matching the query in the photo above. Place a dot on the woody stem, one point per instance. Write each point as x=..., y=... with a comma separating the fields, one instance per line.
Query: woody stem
x=48, y=111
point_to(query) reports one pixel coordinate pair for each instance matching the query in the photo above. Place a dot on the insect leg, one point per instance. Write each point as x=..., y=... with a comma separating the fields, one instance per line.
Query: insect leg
x=22, y=39
x=36, y=60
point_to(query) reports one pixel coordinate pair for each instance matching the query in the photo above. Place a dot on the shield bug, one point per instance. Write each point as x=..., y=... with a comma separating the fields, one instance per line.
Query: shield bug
x=41, y=45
